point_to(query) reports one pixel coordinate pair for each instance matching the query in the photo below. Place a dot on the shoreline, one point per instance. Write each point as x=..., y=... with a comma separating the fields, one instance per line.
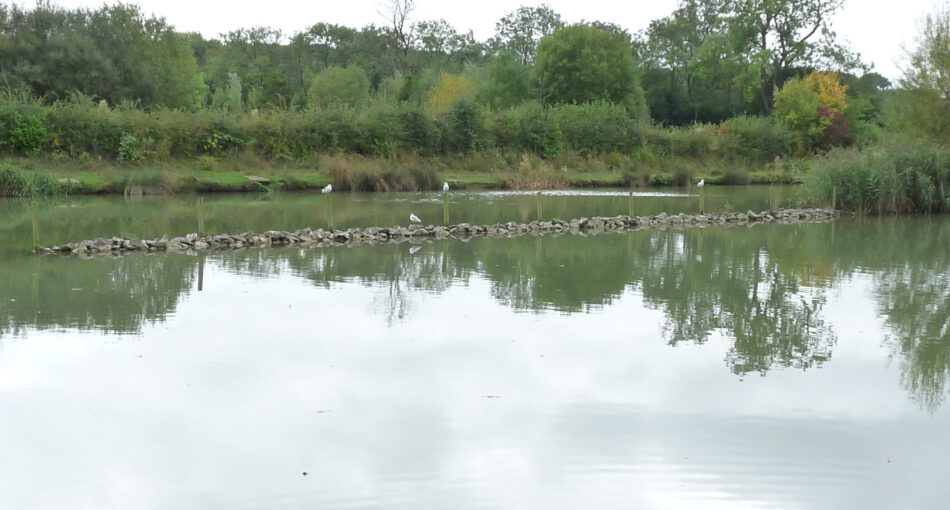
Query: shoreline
x=49, y=177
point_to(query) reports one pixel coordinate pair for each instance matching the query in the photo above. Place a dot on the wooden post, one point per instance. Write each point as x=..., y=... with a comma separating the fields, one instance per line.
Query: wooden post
x=329, y=213
x=201, y=273
x=771, y=200
x=36, y=280
x=539, y=207
x=34, y=212
x=834, y=197
x=445, y=209
x=201, y=217
x=702, y=201
x=630, y=203
x=445, y=257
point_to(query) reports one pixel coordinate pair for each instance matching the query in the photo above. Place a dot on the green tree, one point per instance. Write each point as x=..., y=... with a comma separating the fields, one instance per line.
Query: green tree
x=114, y=52
x=508, y=82
x=338, y=85
x=521, y=31
x=781, y=35
x=234, y=93
x=439, y=44
x=924, y=106
x=692, y=70
x=584, y=64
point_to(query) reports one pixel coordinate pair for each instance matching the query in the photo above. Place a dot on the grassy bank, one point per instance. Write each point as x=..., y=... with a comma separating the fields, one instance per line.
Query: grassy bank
x=247, y=172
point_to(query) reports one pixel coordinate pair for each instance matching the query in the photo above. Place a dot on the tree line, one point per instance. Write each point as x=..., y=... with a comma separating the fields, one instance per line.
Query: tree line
x=705, y=63
x=709, y=60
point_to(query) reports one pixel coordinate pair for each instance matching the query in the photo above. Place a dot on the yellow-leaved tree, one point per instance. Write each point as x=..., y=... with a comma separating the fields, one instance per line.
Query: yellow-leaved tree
x=449, y=88
x=813, y=107
x=831, y=93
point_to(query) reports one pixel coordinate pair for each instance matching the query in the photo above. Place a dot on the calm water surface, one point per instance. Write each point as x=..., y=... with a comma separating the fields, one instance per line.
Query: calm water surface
x=800, y=366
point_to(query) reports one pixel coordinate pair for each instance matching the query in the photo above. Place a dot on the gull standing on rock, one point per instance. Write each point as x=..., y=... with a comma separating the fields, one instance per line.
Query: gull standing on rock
x=326, y=189
x=413, y=218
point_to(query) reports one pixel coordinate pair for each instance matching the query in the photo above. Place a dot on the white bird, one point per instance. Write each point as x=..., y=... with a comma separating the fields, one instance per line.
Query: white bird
x=326, y=189
x=413, y=218
x=701, y=183
x=445, y=186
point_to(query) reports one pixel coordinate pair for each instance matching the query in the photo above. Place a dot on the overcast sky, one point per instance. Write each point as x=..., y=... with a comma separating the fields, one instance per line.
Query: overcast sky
x=878, y=29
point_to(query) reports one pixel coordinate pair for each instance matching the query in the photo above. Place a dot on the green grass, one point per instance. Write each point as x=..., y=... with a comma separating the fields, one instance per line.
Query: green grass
x=21, y=183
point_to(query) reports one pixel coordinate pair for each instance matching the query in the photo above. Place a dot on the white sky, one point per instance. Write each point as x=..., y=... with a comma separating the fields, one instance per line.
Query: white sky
x=875, y=28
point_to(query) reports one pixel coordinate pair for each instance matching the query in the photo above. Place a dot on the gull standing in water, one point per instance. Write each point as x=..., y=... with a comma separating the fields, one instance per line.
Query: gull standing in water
x=413, y=218
x=701, y=183
x=326, y=189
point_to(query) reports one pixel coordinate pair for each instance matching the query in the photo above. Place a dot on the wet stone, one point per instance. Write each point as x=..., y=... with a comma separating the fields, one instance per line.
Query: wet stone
x=462, y=231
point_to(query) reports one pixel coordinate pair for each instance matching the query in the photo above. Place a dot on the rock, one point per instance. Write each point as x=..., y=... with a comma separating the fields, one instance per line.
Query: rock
x=462, y=231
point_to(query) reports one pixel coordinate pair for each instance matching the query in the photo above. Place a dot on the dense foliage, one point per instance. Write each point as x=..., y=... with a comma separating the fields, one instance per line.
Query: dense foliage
x=706, y=62
x=584, y=64
x=745, y=81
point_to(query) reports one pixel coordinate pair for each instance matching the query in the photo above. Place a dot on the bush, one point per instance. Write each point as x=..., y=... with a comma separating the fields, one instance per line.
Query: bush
x=755, y=138
x=598, y=128
x=811, y=106
x=26, y=134
x=377, y=125
x=417, y=132
x=528, y=128
x=463, y=126
x=339, y=86
x=130, y=149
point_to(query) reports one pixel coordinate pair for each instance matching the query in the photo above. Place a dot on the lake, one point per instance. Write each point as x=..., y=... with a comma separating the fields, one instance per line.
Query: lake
x=772, y=366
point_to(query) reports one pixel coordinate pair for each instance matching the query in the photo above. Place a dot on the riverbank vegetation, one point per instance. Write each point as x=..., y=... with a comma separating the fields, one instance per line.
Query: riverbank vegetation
x=409, y=104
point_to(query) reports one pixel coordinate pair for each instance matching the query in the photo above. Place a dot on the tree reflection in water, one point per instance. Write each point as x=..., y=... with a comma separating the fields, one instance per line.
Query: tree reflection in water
x=764, y=289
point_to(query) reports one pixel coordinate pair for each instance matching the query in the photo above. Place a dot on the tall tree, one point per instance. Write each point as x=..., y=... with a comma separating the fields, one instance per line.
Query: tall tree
x=397, y=13
x=924, y=104
x=781, y=35
x=692, y=70
x=583, y=64
x=521, y=31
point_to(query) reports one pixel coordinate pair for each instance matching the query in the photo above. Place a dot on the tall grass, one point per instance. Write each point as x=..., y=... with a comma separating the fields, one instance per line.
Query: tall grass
x=19, y=183
x=907, y=179
x=375, y=174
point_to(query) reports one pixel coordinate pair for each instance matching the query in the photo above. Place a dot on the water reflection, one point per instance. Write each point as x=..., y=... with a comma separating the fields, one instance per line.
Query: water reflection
x=88, y=217
x=913, y=293
x=763, y=289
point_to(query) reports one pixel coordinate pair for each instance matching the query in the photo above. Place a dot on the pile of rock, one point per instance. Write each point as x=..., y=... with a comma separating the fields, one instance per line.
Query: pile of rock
x=195, y=242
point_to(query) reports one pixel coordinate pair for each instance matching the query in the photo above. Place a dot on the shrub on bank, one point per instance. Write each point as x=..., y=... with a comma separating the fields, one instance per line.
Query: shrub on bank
x=598, y=128
x=755, y=138
x=82, y=127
